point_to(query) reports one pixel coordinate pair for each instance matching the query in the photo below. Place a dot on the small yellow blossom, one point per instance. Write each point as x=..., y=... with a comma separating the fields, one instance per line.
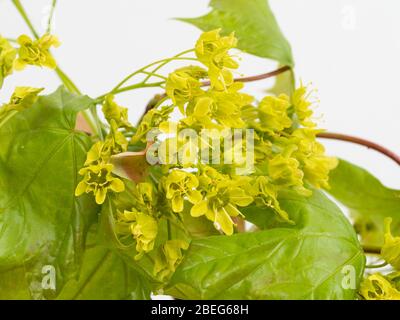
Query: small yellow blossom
x=143, y=228
x=180, y=185
x=377, y=287
x=183, y=85
x=112, y=111
x=169, y=257
x=98, y=179
x=273, y=112
x=7, y=57
x=213, y=51
x=36, y=52
x=22, y=98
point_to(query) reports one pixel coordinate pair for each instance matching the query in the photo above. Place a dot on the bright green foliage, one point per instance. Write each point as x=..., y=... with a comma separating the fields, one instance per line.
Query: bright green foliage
x=300, y=261
x=36, y=52
x=369, y=201
x=254, y=25
x=41, y=221
x=123, y=211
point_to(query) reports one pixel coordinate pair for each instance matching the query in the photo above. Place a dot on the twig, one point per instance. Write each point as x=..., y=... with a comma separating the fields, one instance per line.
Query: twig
x=363, y=142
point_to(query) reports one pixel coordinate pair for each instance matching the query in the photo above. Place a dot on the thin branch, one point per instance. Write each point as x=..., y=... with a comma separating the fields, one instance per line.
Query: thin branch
x=363, y=142
x=257, y=77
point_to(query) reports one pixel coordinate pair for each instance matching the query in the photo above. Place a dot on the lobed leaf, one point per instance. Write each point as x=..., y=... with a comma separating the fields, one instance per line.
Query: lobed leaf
x=304, y=261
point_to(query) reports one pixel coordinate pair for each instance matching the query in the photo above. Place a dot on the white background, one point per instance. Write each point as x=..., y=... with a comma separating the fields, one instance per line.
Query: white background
x=349, y=50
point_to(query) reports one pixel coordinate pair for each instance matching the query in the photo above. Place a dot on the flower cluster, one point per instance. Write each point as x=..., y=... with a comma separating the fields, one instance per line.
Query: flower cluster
x=211, y=104
x=98, y=177
x=286, y=151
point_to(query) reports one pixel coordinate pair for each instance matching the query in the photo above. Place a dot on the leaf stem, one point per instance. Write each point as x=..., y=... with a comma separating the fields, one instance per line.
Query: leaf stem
x=366, y=143
x=49, y=22
x=24, y=16
x=140, y=85
x=163, y=61
x=257, y=77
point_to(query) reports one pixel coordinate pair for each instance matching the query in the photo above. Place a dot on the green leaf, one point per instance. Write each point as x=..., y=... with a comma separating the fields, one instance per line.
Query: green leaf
x=304, y=261
x=41, y=221
x=254, y=25
x=105, y=276
x=368, y=201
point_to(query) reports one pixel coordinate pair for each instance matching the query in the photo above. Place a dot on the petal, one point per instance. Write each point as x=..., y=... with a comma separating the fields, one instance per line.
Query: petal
x=239, y=197
x=199, y=209
x=194, y=196
x=101, y=195
x=117, y=185
x=224, y=221
x=81, y=188
x=232, y=210
x=19, y=64
x=177, y=203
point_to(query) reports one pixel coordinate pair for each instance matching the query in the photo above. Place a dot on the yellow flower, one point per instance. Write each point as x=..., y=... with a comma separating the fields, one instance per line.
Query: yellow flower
x=181, y=185
x=151, y=120
x=391, y=247
x=143, y=227
x=316, y=165
x=7, y=57
x=222, y=198
x=112, y=111
x=169, y=258
x=285, y=172
x=265, y=194
x=183, y=85
x=273, y=113
x=98, y=179
x=377, y=287
x=21, y=99
x=101, y=151
x=213, y=51
x=36, y=52
x=302, y=106
x=222, y=107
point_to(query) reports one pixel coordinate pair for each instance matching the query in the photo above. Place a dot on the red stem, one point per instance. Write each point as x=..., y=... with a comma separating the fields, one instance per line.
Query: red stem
x=257, y=77
x=363, y=142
